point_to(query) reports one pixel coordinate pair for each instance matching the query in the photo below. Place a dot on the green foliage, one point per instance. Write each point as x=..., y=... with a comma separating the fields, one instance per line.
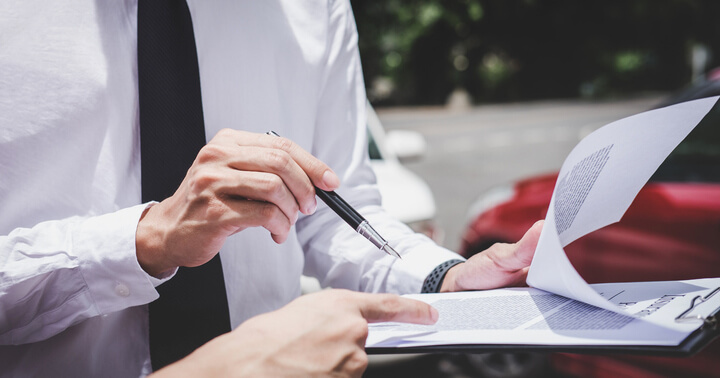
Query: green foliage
x=418, y=51
x=628, y=61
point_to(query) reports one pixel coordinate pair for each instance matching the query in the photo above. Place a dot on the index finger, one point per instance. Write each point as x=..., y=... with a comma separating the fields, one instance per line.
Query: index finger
x=393, y=308
x=319, y=173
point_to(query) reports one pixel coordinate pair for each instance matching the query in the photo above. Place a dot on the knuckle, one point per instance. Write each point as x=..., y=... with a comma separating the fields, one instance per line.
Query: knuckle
x=210, y=152
x=202, y=179
x=283, y=144
x=273, y=185
x=269, y=212
x=357, y=363
x=360, y=324
x=358, y=328
x=216, y=208
x=285, y=227
x=274, y=220
x=279, y=160
x=225, y=133
x=390, y=304
x=362, y=359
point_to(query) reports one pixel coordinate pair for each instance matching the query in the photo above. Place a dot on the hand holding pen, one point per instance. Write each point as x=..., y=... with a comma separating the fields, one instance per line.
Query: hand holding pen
x=352, y=217
x=238, y=180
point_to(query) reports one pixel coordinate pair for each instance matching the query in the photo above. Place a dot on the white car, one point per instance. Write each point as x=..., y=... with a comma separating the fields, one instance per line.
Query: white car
x=405, y=195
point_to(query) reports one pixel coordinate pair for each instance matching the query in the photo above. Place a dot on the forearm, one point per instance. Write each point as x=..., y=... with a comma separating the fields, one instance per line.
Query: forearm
x=58, y=273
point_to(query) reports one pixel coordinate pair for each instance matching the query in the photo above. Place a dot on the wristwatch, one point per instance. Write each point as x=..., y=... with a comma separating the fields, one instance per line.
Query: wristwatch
x=434, y=280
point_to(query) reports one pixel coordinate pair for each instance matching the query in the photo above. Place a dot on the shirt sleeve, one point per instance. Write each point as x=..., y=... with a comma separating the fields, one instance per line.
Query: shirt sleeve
x=334, y=253
x=59, y=273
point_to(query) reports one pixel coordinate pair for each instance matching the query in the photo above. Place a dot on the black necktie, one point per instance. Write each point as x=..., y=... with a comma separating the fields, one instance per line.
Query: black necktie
x=192, y=308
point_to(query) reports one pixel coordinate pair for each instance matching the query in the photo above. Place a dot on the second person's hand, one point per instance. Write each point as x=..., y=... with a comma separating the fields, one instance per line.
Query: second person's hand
x=317, y=335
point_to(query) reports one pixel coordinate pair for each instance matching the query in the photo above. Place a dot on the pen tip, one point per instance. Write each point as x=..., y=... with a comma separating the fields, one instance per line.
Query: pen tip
x=390, y=251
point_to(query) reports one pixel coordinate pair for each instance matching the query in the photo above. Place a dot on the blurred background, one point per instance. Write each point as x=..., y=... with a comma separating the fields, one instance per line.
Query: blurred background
x=503, y=89
x=422, y=51
x=473, y=96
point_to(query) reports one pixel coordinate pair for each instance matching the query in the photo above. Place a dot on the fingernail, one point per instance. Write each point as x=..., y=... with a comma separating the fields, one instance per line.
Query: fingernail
x=330, y=179
x=434, y=315
x=312, y=208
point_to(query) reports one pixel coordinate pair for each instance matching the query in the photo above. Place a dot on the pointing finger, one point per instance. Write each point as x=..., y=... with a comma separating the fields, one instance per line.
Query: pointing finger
x=388, y=307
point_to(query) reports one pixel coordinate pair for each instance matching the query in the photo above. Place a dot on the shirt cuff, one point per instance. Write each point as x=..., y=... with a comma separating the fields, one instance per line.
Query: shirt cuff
x=410, y=272
x=106, y=246
x=156, y=281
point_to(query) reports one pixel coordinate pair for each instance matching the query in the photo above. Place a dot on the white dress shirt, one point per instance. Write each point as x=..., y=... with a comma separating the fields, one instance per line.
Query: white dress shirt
x=72, y=294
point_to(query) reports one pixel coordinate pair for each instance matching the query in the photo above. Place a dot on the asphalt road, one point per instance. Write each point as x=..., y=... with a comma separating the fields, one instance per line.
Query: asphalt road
x=473, y=150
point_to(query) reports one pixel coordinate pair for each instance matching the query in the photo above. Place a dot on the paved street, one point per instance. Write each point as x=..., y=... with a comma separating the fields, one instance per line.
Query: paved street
x=473, y=150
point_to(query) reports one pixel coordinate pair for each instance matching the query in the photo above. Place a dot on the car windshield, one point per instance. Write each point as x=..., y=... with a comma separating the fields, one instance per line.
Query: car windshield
x=697, y=158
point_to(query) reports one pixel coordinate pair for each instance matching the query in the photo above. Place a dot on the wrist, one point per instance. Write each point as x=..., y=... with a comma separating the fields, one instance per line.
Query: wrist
x=436, y=281
x=448, y=283
x=148, y=246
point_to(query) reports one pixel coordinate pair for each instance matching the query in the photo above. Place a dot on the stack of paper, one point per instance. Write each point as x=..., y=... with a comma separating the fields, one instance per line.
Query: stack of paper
x=596, y=184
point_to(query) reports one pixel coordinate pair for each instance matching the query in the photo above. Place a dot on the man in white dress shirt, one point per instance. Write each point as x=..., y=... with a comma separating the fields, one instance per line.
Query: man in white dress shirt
x=76, y=268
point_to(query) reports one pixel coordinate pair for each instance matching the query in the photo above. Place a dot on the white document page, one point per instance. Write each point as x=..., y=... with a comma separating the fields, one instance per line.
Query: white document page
x=596, y=184
x=532, y=316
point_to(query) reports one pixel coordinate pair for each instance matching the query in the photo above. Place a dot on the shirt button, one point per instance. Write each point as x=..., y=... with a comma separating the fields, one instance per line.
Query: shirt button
x=122, y=289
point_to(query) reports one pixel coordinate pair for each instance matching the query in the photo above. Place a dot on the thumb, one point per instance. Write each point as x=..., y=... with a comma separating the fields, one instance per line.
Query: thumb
x=524, y=249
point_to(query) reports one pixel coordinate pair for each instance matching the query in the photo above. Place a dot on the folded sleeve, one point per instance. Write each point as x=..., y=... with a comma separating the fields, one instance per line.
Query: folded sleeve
x=59, y=273
x=334, y=253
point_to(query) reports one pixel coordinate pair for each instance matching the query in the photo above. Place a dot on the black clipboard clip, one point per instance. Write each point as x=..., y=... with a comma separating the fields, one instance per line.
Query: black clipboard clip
x=710, y=321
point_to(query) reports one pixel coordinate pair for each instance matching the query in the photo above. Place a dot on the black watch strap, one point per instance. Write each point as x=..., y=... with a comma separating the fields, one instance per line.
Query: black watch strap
x=434, y=280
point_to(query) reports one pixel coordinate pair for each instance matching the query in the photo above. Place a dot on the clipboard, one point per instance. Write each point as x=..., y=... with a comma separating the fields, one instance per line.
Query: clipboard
x=692, y=344
x=586, y=197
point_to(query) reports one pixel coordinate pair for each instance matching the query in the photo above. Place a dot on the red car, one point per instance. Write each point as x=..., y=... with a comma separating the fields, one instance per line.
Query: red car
x=670, y=232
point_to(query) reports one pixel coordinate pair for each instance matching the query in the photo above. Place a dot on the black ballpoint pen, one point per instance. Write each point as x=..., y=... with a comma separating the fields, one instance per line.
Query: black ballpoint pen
x=352, y=217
